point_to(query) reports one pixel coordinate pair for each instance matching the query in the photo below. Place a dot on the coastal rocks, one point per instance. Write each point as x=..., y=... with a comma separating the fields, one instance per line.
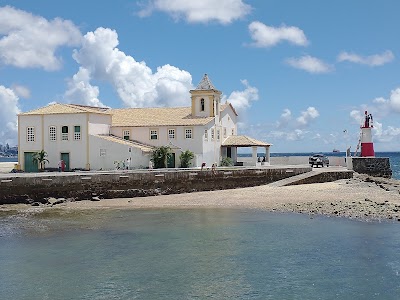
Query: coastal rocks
x=365, y=211
x=367, y=208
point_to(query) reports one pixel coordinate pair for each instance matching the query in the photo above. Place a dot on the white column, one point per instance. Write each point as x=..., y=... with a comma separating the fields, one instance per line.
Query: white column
x=267, y=156
x=254, y=156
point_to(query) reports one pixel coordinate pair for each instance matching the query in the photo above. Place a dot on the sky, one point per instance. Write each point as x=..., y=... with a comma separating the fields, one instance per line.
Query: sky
x=299, y=73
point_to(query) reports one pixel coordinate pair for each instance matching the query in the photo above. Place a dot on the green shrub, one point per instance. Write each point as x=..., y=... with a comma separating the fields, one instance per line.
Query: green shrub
x=160, y=156
x=226, y=162
x=186, y=158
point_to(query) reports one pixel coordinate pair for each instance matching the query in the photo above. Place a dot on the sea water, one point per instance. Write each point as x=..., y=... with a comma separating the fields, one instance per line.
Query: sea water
x=195, y=254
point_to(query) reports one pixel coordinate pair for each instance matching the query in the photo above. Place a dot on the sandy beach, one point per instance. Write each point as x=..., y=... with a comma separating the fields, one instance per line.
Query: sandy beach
x=361, y=197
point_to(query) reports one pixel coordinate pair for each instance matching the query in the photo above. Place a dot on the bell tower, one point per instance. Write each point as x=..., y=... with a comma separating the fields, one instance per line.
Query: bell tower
x=206, y=99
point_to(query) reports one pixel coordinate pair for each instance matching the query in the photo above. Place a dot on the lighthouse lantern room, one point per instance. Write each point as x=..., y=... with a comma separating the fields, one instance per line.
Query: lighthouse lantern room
x=367, y=146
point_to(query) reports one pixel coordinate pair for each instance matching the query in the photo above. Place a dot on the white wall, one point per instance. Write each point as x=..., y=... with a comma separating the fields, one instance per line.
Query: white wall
x=178, y=144
x=114, y=152
x=99, y=123
x=42, y=123
x=302, y=160
x=228, y=121
x=77, y=149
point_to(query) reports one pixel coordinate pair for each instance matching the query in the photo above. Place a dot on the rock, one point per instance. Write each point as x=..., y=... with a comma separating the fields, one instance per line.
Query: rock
x=51, y=200
x=35, y=204
x=368, y=200
x=58, y=201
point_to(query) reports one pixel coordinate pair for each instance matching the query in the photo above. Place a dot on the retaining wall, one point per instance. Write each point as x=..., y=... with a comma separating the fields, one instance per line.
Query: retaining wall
x=373, y=166
x=26, y=188
x=324, y=177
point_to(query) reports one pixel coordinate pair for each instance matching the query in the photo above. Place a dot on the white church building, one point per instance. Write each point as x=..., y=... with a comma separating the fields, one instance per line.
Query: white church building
x=94, y=138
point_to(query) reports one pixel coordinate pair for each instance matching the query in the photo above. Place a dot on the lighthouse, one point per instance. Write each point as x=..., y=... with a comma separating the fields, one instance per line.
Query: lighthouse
x=367, y=146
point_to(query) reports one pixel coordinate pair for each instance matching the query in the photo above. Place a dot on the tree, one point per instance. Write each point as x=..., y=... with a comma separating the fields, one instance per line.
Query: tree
x=160, y=156
x=226, y=162
x=41, y=158
x=186, y=158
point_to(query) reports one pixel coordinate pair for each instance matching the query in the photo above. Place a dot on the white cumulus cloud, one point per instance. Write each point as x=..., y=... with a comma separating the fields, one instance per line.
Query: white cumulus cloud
x=267, y=36
x=81, y=91
x=310, y=64
x=242, y=100
x=357, y=116
x=372, y=60
x=221, y=11
x=382, y=107
x=285, y=118
x=30, y=41
x=307, y=116
x=385, y=135
x=295, y=135
x=21, y=91
x=8, y=116
x=392, y=104
x=134, y=81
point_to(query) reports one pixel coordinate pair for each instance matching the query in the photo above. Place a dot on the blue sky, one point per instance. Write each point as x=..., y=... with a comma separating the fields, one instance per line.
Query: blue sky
x=299, y=73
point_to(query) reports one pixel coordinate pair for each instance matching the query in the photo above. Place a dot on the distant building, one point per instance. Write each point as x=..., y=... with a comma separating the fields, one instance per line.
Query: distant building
x=86, y=137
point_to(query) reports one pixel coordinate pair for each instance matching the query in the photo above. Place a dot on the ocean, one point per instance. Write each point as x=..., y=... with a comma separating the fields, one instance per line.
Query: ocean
x=8, y=159
x=196, y=254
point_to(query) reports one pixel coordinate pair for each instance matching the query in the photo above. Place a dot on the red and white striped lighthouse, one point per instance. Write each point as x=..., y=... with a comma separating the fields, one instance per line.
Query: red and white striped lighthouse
x=367, y=146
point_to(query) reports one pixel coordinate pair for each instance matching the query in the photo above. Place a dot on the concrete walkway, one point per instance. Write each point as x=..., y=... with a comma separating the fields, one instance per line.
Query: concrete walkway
x=6, y=167
x=315, y=172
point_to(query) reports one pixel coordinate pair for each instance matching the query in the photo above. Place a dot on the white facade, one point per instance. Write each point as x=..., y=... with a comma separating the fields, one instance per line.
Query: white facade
x=60, y=135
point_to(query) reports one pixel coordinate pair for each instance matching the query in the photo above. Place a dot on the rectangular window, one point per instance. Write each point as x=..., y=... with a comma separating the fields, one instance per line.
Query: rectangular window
x=30, y=134
x=64, y=133
x=188, y=133
x=224, y=132
x=233, y=131
x=77, y=133
x=153, y=134
x=171, y=133
x=126, y=134
x=205, y=134
x=212, y=134
x=218, y=135
x=52, y=133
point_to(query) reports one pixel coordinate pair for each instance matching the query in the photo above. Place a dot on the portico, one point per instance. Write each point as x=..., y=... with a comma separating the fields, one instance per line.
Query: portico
x=232, y=143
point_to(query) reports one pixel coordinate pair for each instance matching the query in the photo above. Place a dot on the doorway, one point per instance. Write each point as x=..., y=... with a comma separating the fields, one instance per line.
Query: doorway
x=30, y=165
x=229, y=152
x=65, y=158
x=171, y=160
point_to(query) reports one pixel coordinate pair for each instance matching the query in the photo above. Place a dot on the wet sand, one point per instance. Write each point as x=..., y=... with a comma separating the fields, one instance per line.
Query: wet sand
x=362, y=197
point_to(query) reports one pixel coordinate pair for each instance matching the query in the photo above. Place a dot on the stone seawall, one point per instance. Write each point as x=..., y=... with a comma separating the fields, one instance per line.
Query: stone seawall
x=373, y=166
x=27, y=188
x=324, y=177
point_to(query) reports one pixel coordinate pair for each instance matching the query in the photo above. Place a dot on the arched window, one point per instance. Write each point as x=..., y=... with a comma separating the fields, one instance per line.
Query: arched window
x=202, y=104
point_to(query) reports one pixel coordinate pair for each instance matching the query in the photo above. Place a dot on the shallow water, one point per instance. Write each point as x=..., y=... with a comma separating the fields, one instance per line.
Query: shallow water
x=196, y=254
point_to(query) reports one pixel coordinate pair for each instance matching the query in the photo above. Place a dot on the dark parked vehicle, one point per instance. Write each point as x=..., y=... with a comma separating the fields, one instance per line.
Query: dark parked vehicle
x=318, y=160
